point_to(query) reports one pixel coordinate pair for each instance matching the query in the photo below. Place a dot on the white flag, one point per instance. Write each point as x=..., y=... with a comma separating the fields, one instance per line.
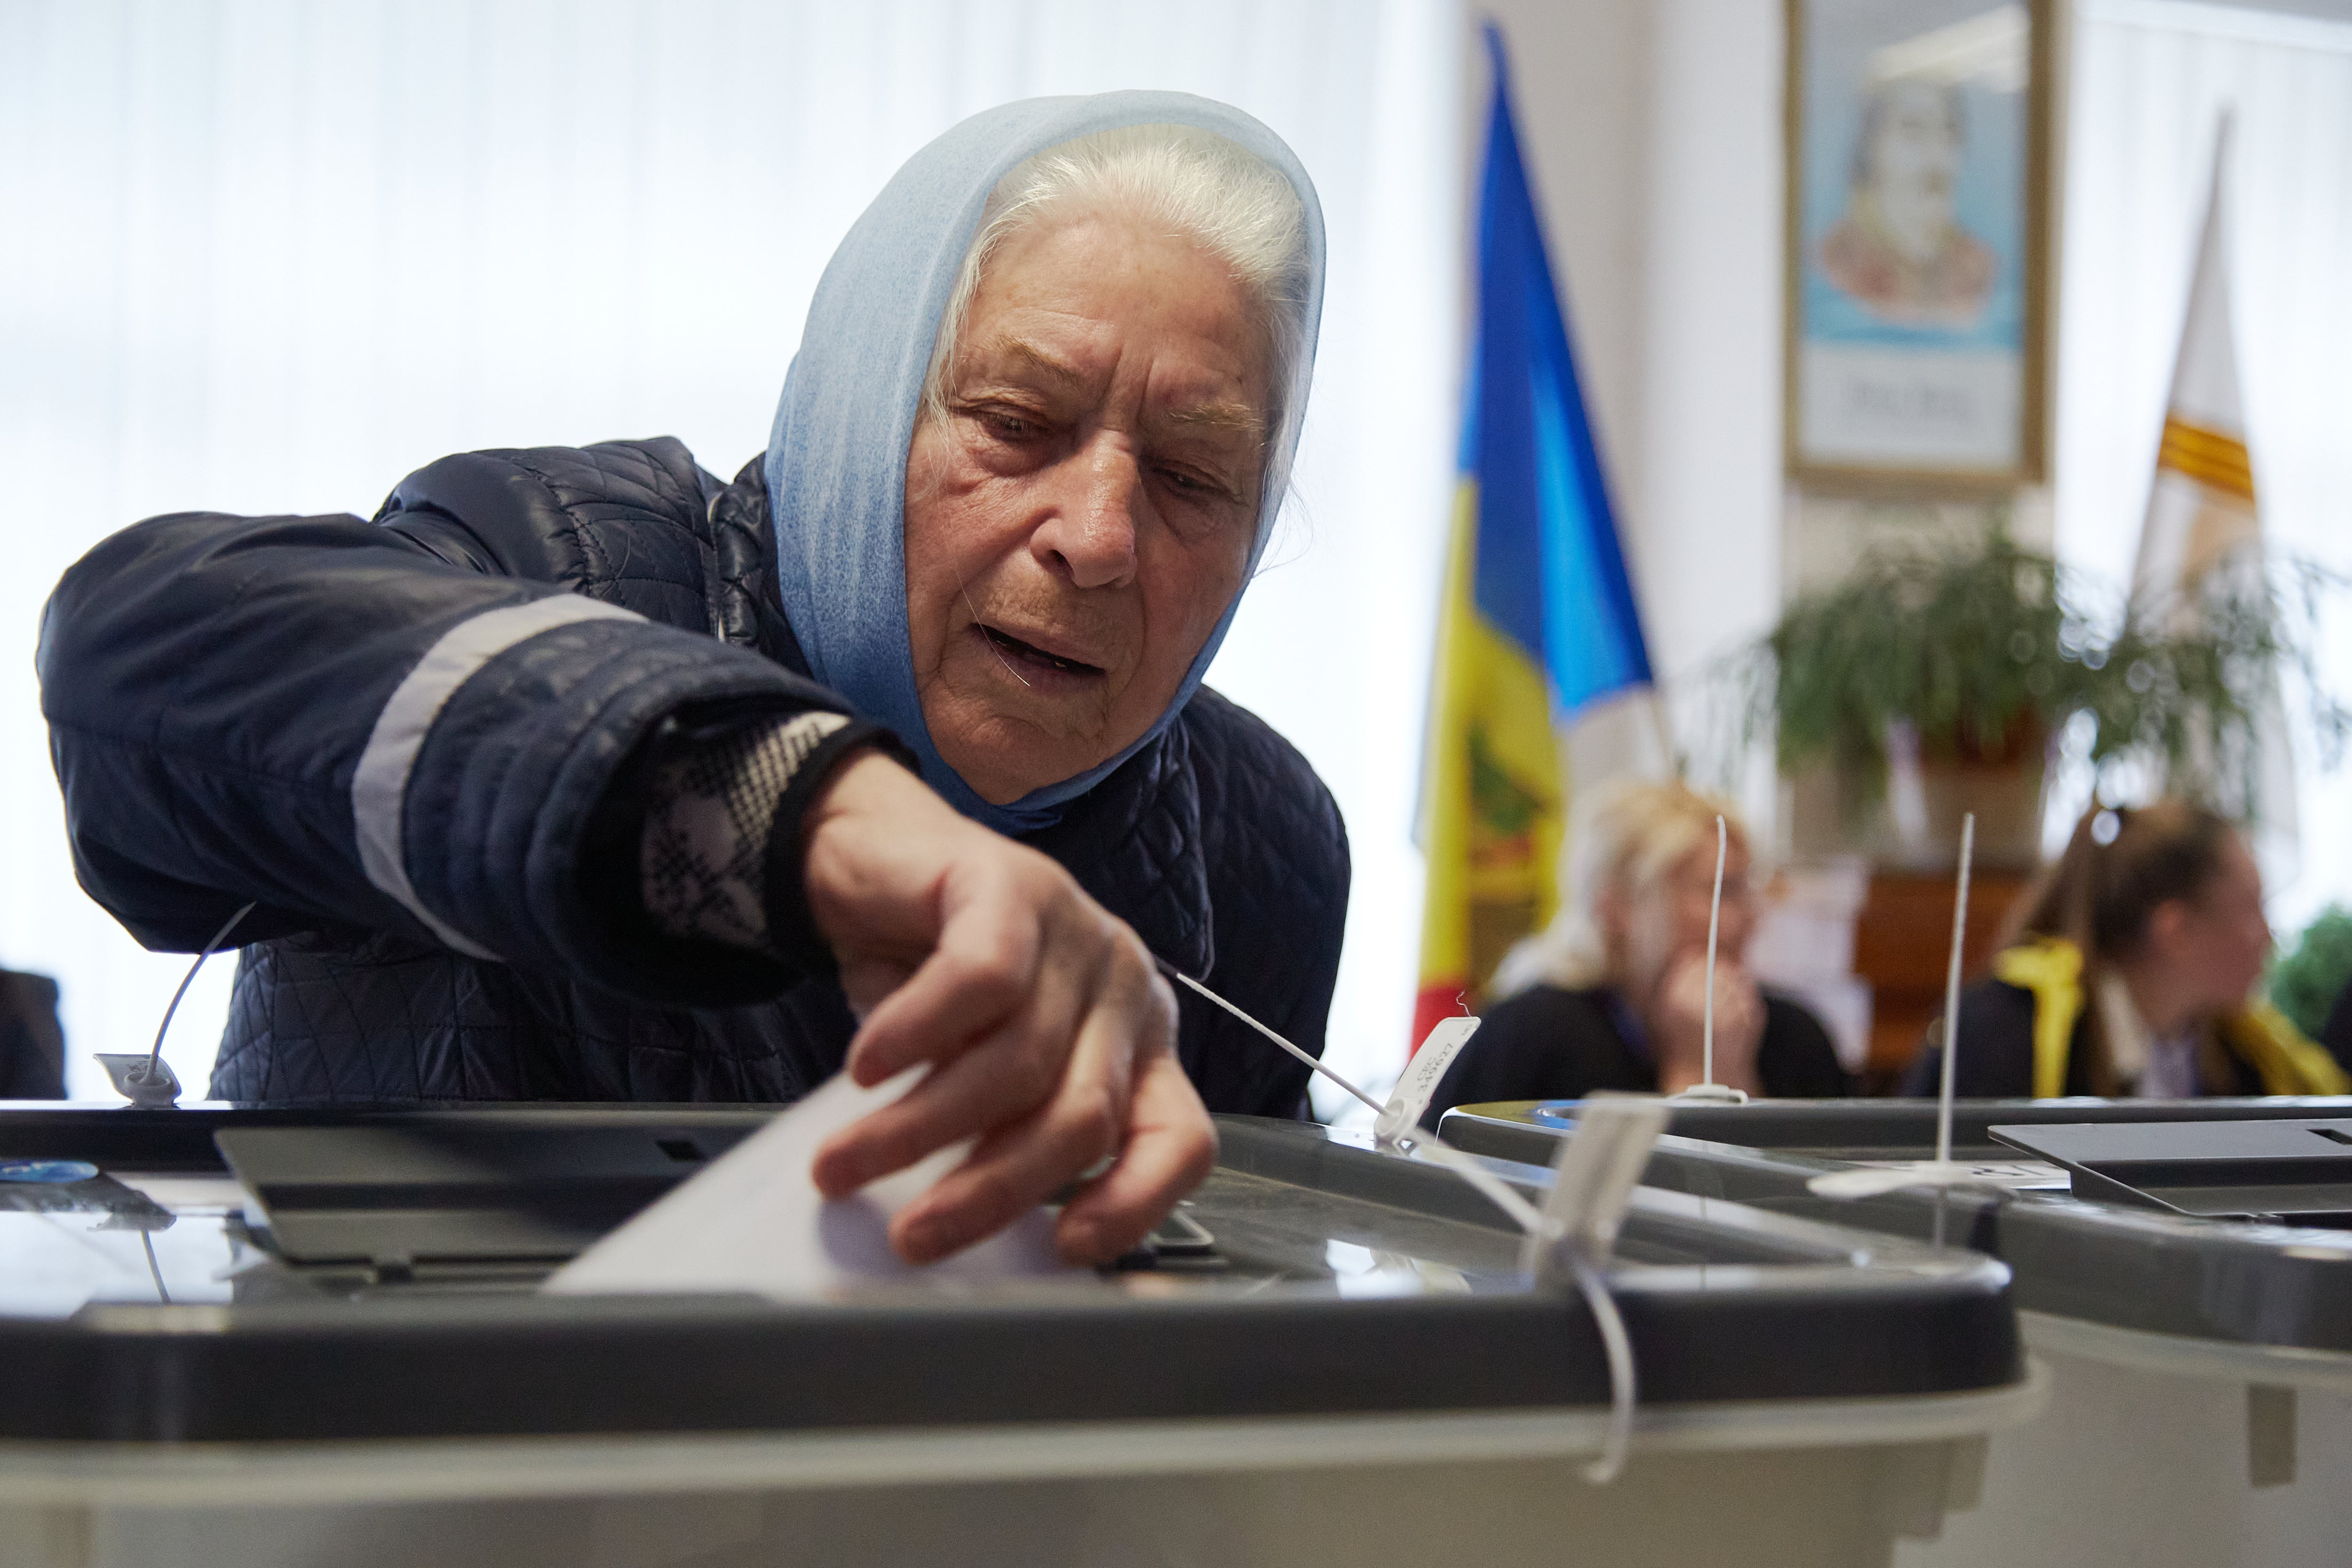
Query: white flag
x=2201, y=518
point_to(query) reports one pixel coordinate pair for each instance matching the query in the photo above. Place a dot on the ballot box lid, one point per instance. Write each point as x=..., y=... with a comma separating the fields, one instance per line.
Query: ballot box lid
x=1341, y=1281
x=2288, y=1171
x=1868, y=1129
x=2080, y=1250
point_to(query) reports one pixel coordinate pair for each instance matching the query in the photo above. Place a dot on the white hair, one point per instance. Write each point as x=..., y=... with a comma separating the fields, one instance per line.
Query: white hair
x=1624, y=838
x=1176, y=180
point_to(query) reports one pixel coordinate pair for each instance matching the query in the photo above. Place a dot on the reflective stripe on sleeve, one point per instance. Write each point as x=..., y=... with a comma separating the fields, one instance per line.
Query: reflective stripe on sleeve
x=380, y=787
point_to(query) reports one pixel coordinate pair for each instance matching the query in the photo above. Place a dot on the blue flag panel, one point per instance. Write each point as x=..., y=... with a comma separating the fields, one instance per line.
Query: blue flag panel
x=1549, y=576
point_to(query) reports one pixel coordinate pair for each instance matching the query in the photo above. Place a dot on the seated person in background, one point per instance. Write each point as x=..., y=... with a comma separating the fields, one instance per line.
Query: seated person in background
x=577, y=774
x=1613, y=994
x=2125, y=970
x=32, y=1046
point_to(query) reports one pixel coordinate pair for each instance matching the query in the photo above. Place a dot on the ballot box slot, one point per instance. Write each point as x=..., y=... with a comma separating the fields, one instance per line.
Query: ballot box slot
x=180, y=1139
x=1900, y=1129
x=2297, y=1172
x=443, y=1190
x=585, y=1194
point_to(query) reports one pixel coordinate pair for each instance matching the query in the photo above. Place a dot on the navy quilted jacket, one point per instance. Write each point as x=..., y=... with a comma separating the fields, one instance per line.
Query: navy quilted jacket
x=412, y=742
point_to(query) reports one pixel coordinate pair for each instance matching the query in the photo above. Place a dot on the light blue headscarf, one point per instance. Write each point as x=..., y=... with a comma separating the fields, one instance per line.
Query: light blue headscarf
x=836, y=460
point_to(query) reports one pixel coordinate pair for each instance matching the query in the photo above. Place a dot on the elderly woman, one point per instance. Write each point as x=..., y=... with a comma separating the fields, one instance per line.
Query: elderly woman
x=2125, y=970
x=583, y=774
x=1613, y=995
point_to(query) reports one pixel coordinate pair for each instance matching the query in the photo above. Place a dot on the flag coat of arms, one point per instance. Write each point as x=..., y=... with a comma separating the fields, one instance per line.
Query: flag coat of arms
x=1538, y=629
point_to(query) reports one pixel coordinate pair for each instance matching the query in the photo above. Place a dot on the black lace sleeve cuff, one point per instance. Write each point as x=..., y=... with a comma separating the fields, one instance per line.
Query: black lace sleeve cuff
x=716, y=845
x=791, y=929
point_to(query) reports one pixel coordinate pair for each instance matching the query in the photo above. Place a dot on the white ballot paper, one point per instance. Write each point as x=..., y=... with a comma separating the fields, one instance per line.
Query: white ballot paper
x=754, y=1221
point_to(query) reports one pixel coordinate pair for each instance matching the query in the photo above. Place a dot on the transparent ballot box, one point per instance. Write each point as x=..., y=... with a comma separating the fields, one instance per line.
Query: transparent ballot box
x=2180, y=1267
x=279, y=1336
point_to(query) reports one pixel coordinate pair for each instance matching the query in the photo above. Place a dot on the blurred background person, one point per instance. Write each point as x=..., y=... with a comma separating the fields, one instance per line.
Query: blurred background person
x=1613, y=994
x=32, y=1045
x=2126, y=970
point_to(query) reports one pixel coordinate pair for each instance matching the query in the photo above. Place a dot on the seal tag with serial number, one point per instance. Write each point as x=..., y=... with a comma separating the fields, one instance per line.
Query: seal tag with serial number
x=1420, y=1077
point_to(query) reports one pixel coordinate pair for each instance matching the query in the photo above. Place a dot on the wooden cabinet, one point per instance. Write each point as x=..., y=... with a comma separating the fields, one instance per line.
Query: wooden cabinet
x=1902, y=942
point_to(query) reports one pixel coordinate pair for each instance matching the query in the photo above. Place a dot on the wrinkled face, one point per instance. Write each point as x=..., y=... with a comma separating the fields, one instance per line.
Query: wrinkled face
x=1081, y=517
x=2216, y=946
x=1650, y=930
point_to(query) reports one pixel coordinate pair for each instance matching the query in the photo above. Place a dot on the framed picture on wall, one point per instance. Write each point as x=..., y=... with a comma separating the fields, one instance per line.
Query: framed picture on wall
x=1918, y=160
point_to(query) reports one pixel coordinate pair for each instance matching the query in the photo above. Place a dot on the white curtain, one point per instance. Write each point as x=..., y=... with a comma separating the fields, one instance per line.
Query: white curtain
x=2150, y=81
x=268, y=257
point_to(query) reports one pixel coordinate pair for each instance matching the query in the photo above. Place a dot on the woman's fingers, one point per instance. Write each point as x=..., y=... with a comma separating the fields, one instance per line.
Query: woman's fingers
x=867, y=981
x=1038, y=1013
x=1081, y=1119
x=1003, y=1078
x=1017, y=1167
x=1171, y=1144
x=985, y=969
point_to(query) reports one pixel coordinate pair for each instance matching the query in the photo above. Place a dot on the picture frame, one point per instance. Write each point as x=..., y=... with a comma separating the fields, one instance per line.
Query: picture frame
x=1916, y=243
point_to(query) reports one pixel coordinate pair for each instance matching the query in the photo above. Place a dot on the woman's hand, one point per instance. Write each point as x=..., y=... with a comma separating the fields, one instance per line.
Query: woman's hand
x=1678, y=1025
x=1050, y=1037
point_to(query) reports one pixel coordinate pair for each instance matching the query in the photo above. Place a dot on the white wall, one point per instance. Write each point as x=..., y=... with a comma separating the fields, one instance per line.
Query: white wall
x=270, y=255
x=1709, y=525
x=1582, y=77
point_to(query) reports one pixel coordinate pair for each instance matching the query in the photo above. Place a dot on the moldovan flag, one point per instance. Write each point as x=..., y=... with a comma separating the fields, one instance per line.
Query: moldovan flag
x=2201, y=518
x=1542, y=668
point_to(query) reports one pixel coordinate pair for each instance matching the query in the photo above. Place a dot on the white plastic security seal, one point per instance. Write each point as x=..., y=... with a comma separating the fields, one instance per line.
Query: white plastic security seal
x=1592, y=1181
x=1598, y=1167
x=148, y=1081
x=1419, y=1081
x=1942, y=1171
x=1572, y=1236
x=1708, y=1090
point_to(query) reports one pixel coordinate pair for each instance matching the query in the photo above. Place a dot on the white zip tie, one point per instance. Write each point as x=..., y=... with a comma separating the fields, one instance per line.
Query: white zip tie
x=1714, y=923
x=1619, y=1346
x=1952, y=993
x=1707, y=1089
x=1181, y=979
x=155, y=1056
x=1940, y=1172
x=1492, y=1188
x=1615, y=1343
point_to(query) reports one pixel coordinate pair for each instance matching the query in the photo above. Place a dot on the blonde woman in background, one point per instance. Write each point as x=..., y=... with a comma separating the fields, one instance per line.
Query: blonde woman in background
x=1613, y=995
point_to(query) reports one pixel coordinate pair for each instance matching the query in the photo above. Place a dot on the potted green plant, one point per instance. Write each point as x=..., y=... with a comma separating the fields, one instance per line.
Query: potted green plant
x=1979, y=655
x=2305, y=979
